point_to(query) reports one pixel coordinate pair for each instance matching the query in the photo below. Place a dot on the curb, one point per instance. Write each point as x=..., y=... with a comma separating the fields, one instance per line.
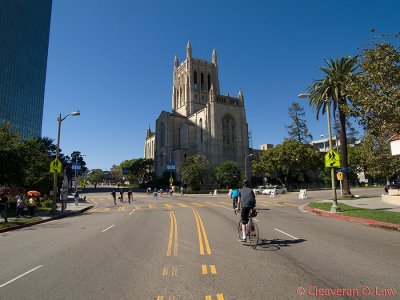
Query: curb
x=353, y=219
x=46, y=219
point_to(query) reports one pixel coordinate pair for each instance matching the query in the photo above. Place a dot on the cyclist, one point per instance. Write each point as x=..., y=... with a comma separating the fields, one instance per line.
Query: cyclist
x=246, y=201
x=234, y=197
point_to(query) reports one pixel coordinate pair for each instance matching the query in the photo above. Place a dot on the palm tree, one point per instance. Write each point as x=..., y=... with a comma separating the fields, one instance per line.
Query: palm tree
x=330, y=91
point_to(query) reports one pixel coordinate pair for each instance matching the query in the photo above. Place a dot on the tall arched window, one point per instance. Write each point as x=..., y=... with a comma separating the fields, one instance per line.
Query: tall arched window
x=201, y=130
x=228, y=133
x=195, y=79
x=181, y=96
x=202, y=81
x=162, y=134
x=209, y=82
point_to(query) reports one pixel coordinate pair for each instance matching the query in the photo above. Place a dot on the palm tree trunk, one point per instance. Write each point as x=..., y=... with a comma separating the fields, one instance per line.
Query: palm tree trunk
x=343, y=152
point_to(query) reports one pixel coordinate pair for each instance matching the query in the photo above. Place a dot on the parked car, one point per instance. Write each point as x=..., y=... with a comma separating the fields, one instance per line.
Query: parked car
x=258, y=190
x=392, y=186
x=280, y=189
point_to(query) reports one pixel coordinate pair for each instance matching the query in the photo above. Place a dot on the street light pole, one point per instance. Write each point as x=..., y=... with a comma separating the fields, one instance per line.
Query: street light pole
x=335, y=208
x=245, y=165
x=55, y=189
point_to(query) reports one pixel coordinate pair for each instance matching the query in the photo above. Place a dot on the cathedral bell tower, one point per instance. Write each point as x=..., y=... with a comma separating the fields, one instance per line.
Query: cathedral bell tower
x=192, y=81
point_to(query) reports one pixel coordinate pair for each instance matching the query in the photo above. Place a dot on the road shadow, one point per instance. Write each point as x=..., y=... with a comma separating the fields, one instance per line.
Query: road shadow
x=276, y=244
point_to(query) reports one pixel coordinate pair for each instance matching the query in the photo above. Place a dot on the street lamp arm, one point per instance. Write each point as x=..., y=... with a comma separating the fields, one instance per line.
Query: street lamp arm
x=74, y=113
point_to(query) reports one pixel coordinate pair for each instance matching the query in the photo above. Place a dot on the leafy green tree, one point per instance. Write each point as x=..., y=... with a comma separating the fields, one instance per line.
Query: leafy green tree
x=11, y=160
x=141, y=171
x=298, y=130
x=76, y=157
x=194, y=170
x=375, y=90
x=227, y=174
x=351, y=132
x=116, y=174
x=378, y=160
x=289, y=160
x=35, y=152
x=96, y=175
x=331, y=91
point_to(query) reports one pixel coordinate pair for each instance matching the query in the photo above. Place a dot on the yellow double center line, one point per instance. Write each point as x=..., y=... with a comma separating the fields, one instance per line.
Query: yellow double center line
x=202, y=233
x=173, y=235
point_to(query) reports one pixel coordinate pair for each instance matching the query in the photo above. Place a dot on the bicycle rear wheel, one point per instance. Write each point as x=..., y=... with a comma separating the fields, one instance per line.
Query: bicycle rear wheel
x=253, y=234
x=240, y=230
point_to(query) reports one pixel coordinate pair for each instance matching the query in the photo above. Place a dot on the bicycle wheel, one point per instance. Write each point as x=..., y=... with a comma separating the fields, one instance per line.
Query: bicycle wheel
x=240, y=230
x=253, y=234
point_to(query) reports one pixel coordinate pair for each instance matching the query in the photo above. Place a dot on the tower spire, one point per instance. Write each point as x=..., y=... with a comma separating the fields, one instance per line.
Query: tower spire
x=240, y=96
x=176, y=61
x=214, y=57
x=188, y=50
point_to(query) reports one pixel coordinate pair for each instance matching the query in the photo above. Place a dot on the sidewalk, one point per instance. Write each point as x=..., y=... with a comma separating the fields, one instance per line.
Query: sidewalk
x=374, y=203
x=71, y=209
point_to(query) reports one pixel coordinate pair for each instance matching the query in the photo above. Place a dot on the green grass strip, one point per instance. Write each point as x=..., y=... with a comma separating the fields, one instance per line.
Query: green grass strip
x=370, y=214
x=12, y=223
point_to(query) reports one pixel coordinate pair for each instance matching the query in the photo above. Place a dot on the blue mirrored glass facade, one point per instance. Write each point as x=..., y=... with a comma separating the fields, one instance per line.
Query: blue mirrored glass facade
x=24, y=42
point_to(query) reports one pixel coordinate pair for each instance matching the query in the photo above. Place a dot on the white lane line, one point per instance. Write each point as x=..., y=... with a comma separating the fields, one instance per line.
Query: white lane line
x=26, y=273
x=132, y=212
x=96, y=203
x=293, y=237
x=108, y=228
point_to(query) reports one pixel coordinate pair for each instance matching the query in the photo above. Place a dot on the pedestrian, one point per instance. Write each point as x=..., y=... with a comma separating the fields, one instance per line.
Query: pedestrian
x=3, y=207
x=155, y=194
x=32, y=206
x=181, y=190
x=76, y=196
x=20, y=206
x=121, y=194
x=114, y=195
x=234, y=197
x=129, y=196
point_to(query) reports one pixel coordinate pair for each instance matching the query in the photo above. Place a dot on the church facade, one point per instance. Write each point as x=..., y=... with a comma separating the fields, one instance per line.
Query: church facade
x=202, y=121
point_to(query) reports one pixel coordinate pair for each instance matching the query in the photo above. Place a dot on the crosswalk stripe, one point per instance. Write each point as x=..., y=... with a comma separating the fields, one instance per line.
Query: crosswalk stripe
x=182, y=205
x=197, y=204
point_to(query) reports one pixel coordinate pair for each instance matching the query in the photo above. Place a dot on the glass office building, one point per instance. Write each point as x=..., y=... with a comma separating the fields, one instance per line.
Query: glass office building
x=24, y=42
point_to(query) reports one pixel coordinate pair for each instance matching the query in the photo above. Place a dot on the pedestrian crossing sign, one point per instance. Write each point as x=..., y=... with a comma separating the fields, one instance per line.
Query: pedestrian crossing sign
x=332, y=159
x=55, y=166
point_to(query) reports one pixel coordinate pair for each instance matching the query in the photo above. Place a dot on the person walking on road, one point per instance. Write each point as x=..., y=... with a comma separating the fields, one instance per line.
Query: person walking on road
x=129, y=196
x=114, y=195
x=76, y=196
x=20, y=206
x=121, y=196
x=32, y=206
x=3, y=207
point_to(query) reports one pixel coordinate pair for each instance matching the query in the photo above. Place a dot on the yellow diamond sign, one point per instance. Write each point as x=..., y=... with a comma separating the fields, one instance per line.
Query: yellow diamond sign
x=55, y=166
x=332, y=159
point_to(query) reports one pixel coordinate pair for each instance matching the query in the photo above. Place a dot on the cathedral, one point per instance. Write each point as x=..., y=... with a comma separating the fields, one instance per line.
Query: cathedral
x=202, y=121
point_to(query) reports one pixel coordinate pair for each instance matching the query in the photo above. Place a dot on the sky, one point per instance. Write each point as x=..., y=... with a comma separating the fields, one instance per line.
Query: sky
x=113, y=61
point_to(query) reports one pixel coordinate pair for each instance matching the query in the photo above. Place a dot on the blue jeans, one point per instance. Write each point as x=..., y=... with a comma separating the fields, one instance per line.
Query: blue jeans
x=234, y=202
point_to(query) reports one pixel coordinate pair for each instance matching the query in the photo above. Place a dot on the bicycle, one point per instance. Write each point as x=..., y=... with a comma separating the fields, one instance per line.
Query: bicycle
x=252, y=234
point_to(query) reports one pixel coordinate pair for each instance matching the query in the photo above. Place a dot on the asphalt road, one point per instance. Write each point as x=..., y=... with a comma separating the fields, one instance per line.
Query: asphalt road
x=187, y=248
